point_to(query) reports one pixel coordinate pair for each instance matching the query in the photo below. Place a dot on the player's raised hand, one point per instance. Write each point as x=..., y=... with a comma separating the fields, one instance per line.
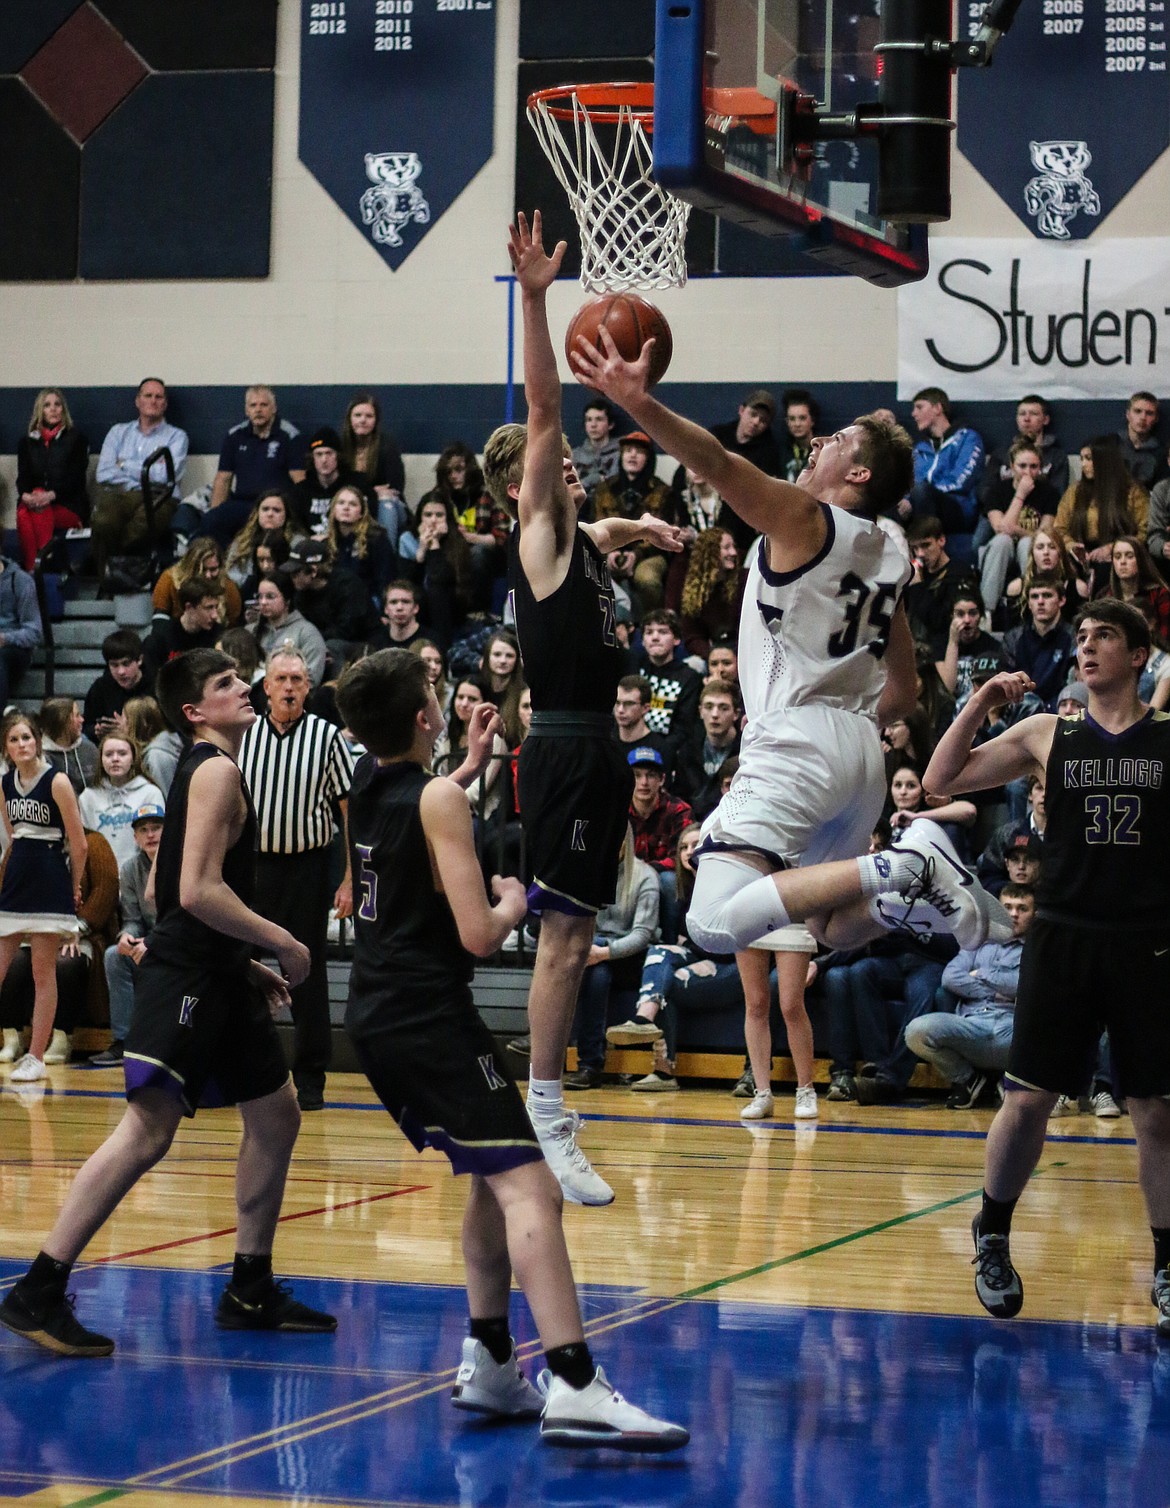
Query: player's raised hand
x=664, y=536
x=535, y=269
x=608, y=372
x=483, y=725
x=1005, y=689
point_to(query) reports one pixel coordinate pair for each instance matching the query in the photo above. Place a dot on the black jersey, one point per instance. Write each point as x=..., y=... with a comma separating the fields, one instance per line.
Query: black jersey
x=572, y=659
x=178, y=937
x=407, y=954
x=1107, y=833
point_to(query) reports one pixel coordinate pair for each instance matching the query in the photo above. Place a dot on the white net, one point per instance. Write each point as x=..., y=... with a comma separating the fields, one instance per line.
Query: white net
x=633, y=231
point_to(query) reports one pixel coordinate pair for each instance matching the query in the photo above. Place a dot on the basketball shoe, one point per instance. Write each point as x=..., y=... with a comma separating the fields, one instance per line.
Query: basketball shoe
x=486, y=1386
x=997, y=1283
x=599, y=1415
x=943, y=896
x=572, y=1169
x=269, y=1305
x=45, y=1315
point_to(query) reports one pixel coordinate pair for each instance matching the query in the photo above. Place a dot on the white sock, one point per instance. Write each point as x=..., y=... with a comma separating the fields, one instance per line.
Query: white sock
x=885, y=871
x=546, y=1099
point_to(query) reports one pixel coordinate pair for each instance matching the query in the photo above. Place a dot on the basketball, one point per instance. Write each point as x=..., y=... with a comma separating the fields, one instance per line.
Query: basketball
x=631, y=321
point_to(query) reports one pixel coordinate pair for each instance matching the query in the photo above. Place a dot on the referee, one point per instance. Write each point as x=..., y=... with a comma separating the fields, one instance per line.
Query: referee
x=296, y=766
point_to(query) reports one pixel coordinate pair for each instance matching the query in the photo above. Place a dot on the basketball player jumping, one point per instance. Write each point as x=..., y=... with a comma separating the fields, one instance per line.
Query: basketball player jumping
x=574, y=783
x=1098, y=954
x=825, y=657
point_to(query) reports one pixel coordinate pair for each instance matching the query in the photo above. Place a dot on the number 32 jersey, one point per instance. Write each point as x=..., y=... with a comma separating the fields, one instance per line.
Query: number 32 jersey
x=818, y=635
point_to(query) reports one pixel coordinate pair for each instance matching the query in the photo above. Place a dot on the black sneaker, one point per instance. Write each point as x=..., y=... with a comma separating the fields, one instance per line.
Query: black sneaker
x=47, y=1317
x=584, y=1078
x=997, y=1283
x=110, y=1058
x=841, y=1087
x=745, y=1088
x=269, y=1305
x=965, y=1094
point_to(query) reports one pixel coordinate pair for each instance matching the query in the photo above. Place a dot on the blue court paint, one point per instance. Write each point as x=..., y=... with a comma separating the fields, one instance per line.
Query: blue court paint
x=786, y=1405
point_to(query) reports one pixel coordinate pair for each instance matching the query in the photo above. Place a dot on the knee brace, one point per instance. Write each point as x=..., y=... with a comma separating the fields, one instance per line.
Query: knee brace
x=732, y=906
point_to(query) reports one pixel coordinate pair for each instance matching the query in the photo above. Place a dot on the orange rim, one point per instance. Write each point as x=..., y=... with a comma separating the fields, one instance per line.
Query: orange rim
x=603, y=103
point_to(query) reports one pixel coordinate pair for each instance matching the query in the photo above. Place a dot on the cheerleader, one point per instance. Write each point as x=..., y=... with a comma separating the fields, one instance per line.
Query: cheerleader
x=40, y=891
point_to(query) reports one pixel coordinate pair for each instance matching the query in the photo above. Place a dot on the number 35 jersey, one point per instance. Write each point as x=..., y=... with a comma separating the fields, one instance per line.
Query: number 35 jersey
x=1107, y=828
x=818, y=635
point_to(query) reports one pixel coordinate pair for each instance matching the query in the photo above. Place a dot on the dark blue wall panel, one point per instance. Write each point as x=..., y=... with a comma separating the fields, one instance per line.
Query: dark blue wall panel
x=25, y=28
x=197, y=33
x=38, y=230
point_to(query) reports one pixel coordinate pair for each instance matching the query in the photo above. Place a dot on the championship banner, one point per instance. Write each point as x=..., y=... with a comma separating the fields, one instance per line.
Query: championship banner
x=1073, y=112
x=995, y=319
x=397, y=105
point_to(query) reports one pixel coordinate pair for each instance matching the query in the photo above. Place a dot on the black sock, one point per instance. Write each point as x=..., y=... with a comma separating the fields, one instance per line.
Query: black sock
x=573, y=1363
x=995, y=1219
x=47, y=1272
x=247, y=1270
x=1161, y=1234
x=493, y=1334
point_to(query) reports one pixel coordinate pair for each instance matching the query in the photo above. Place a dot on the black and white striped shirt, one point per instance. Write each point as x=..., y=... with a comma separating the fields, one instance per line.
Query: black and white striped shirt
x=294, y=778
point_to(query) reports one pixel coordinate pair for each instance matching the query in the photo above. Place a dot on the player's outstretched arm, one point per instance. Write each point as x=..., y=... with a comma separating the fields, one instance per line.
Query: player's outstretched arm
x=763, y=502
x=446, y=820
x=1020, y=750
x=616, y=533
x=543, y=488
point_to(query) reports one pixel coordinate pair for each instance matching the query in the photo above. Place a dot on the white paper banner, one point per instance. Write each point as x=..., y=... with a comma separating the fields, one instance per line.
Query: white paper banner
x=996, y=319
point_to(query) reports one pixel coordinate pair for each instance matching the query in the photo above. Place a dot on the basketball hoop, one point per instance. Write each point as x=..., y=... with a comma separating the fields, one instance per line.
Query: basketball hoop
x=633, y=231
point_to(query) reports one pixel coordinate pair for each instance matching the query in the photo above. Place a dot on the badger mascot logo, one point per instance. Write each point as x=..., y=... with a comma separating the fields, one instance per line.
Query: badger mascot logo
x=395, y=200
x=1060, y=189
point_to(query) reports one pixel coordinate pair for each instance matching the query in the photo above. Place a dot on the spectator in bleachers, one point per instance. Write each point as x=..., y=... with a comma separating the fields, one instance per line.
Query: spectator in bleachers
x=51, y=475
x=203, y=561
x=432, y=657
x=657, y=817
x=1137, y=441
x=358, y=544
x=198, y=625
x=802, y=415
x=482, y=525
x=309, y=500
x=259, y=455
x=631, y=704
x=370, y=452
x=970, y=1045
x=503, y=678
x=635, y=490
x=1133, y=578
x=1043, y=646
x=20, y=626
x=138, y=918
x=1014, y=509
x=749, y=435
x=792, y=947
x=400, y=627
x=1021, y=831
x=268, y=517
x=437, y=557
x=908, y=801
x=674, y=686
x=596, y=458
x=934, y=700
x=623, y=932
x=948, y=467
x=908, y=740
x=331, y=599
x=968, y=650
x=1033, y=417
x=1104, y=505
x=697, y=506
x=271, y=553
x=700, y=758
x=712, y=591
x=119, y=511
x=160, y=747
x=1049, y=557
x=1158, y=528
x=64, y=744
x=240, y=644
x=108, y=806
x=280, y=622
x=930, y=595
x=122, y=678
x=1022, y=861
x=723, y=661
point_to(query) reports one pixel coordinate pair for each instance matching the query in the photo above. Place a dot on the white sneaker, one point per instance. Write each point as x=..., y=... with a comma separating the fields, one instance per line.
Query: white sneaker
x=944, y=896
x=655, y=1083
x=573, y=1171
x=599, y=1415
x=28, y=1070
x=486, y=1386
x=637, y=1032
x=12, y=1045
x=59, y=1048
x=1065, y=1105
x=760, y=1108
x=806, y=1103
x=1105, y=1107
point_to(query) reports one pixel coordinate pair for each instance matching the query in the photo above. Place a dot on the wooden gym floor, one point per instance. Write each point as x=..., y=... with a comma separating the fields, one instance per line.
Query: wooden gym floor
x=800, y=1295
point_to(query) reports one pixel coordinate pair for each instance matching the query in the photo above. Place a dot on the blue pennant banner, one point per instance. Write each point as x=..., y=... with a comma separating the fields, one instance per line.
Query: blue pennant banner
x=1072, y=113
x=397, y=104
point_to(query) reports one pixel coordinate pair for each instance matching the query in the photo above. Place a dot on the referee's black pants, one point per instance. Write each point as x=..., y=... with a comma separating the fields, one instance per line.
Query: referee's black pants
x=293, y=891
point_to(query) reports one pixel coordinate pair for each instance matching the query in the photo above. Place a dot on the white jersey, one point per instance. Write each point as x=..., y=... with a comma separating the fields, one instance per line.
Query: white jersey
x=817, y=636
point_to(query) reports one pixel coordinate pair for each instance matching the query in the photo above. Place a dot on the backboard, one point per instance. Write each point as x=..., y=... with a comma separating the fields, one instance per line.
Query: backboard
x=727, y=128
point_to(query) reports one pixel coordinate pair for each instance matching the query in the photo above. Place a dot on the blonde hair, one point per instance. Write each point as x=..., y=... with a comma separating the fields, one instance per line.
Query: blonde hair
x=361, y=533
x=503, y=463
x=34, y=424
x=198, y=553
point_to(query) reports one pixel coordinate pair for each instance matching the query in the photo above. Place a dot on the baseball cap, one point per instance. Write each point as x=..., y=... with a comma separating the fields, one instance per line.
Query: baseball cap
x=1026, y=845
x=150, y=811
x=325, y=437
x=638, y=437
x=645, y=757
x=760, y=397
x=306, y=552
